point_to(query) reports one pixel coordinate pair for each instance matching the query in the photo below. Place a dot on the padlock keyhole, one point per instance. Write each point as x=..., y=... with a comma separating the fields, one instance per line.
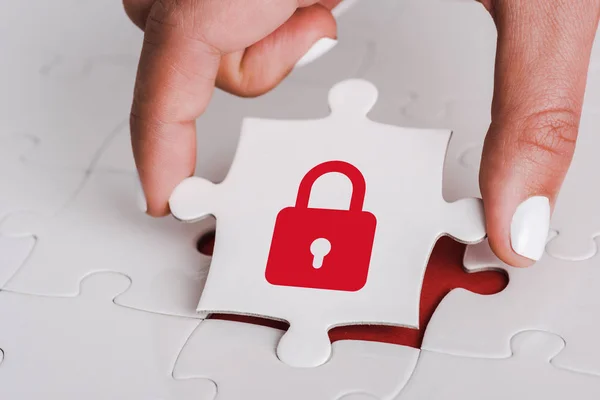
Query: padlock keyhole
x=319, y=248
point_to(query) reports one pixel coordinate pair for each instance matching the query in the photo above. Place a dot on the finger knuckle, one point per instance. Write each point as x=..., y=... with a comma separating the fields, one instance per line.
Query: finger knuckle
x=549, y=135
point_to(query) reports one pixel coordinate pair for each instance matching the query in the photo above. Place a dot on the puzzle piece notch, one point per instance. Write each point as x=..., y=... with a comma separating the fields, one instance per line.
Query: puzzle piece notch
x=461, y=327
x=122, y=342
x=409, y=158
x=240, y=358
x=527, y=373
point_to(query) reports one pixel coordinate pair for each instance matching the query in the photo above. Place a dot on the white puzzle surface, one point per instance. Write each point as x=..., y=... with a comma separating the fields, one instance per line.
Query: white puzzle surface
x=553, y=295
x=527, y=373
x=132, y=352
x=66, y=249
x=392, y=181
x=240, y=359
x=65, y=157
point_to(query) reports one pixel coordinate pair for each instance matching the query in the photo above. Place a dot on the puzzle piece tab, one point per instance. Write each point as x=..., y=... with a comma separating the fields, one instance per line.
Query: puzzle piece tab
x=88, y=347
x=552, y=295
x=102, y=230
x=402, y=172
x=527, y=374
x=240, y=358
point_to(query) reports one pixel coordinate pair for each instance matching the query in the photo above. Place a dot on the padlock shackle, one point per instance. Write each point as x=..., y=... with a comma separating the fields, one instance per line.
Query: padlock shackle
x=356, y=177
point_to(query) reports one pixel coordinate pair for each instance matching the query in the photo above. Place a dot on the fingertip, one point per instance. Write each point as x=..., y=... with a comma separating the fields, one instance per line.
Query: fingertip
x=141, y=203
x=517, y=202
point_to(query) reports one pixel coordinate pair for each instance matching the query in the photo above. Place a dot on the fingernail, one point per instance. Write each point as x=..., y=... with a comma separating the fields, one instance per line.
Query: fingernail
x=318, y=49
x=342, y=7
x=140, y=197
x=530, y=226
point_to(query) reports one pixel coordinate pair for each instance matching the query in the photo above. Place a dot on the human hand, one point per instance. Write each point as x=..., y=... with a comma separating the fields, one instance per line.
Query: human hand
x=542, y=61
x=245, y=47
x=543, y=52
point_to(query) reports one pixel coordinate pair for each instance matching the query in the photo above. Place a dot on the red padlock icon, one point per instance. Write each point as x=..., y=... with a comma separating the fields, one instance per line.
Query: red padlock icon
x=323, y=248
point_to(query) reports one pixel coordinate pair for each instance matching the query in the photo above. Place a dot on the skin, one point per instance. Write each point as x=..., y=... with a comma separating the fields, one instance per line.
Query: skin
x=246, y=47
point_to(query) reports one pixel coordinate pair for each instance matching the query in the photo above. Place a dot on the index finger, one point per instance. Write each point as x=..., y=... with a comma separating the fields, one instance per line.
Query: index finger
x=179, y=62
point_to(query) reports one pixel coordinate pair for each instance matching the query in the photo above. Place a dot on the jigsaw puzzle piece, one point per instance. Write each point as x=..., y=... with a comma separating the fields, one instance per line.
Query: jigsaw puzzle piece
x=526, y=373
x=396, y=176
x=240, y=358
x=27, y=187
x=553, y=295
x=102, y=230
x=103, y=350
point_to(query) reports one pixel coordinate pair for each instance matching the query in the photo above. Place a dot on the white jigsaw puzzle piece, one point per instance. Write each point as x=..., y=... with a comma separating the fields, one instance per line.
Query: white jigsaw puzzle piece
x=27, y=187
x=87, y=347
x=527, y=374
x=102, y=230
x=240, y=358
x=403, y=172
x=552, y=295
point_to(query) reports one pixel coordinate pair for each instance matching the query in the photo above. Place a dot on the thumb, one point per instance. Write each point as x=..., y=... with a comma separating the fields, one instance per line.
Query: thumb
x=308, y=33
x=541, y=68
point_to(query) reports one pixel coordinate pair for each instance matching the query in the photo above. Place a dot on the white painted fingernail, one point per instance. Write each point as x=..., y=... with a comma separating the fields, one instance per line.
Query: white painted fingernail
x=342, y=7
x=318, y=49
x=140, y=197
x=530, y=226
